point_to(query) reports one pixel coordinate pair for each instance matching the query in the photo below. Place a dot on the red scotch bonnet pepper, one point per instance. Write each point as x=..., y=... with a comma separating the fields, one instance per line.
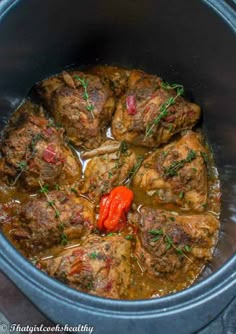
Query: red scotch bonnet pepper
x=113, y=209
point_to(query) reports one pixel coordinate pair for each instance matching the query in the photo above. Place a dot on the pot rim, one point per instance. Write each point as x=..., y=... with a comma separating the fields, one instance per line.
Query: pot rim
x=224, y=10
x=223, y=279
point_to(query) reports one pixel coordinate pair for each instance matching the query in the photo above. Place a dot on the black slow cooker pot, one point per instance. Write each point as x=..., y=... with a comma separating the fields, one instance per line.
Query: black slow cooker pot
x=188, y=41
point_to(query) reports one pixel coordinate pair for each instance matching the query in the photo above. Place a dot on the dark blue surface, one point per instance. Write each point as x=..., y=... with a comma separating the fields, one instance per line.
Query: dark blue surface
x=18, y=309
x=225, y=323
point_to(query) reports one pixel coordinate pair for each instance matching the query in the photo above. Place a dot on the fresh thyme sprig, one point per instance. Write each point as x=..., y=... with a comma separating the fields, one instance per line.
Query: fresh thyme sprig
x=23, y=164
x=163, y=112
x=123, y=149
x=135, y=168
x=167, y=86
x=84, y=84
x=205, y=157
x=181, y=251
x=173, y=169
x=44, y=189
x=158, y=233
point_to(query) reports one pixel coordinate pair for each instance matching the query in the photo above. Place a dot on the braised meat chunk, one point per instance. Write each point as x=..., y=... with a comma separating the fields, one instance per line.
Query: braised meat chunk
x=171, y=244
x=176, y=174
x=101, y=266
x=81, y=103
x=115, y=77
x=33, y=148
x=152, y=111
x=110, y=166
x=54, y=218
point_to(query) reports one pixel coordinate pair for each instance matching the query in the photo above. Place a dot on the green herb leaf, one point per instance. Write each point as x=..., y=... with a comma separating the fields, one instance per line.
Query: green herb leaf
x=191, y=155
x=110, y=174
x=167, y=86
x=35, y=139
x=169, y=239
x=90, y=107
x=57, y=213
x=173, y=169
x=181, y=195
x=187, y=248
x=93, y=255
x=64, y=239
x=155, y=238
x=50, y=123
x=90, y=285
x=156, y=232
x=22, y=165
x=44, y=189
x=170, y=127
x=168, y=246
x=111, y=234
x=61, y=227
x=205, y=157
x=51, y=203
x=85, y=96
x=123, y=147
x=129, y=237
x=74, y=190
x=179, y=251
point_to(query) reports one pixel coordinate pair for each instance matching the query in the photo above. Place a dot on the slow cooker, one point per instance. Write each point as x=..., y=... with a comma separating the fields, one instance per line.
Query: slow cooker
x=192, y=42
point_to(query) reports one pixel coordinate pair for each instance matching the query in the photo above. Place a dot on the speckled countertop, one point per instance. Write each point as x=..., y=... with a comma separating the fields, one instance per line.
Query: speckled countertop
x=16, y=308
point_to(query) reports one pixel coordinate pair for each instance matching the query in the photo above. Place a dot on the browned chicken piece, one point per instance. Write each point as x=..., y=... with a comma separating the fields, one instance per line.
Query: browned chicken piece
x=33, y=148
x=176, y=174
x=101, y=266
x=54, y=218
x=150, y=112
x=110, y=166
x=172, y=244
x=115, y=77
x=81, y=103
